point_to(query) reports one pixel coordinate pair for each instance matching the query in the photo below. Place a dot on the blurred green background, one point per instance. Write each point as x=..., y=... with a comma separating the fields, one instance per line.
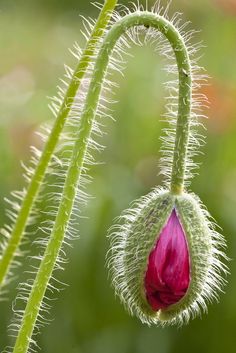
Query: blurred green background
x=34, y=37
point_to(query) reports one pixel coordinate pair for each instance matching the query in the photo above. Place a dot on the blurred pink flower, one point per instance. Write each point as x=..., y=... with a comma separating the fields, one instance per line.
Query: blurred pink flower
x=222, y=108
x=227, y=5
x=168, y=274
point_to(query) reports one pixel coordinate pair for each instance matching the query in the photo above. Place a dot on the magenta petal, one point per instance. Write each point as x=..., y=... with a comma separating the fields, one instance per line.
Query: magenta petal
x=168, y=273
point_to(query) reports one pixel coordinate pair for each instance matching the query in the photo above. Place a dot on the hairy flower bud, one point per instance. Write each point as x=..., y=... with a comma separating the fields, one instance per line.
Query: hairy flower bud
x=166, y=258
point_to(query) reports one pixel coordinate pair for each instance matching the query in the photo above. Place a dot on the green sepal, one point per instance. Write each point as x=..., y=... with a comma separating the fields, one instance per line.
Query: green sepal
x=204, y=245
x=199, y=240
x=132, y=243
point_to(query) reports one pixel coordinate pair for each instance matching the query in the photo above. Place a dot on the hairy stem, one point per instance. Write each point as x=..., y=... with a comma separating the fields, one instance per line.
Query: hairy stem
x=74, y=172
x=34, y=185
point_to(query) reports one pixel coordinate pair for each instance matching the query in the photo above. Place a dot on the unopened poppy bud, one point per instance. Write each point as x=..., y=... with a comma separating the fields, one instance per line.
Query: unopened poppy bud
x=168, y=273
x=166, y=258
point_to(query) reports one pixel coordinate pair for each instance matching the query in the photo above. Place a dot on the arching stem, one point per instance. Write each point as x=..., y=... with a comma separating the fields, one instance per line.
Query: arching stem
x=36, y=181
x=74, y=172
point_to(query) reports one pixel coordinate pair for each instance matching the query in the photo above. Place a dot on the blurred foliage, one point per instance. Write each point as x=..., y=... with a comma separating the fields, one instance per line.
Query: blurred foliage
x=34, y=36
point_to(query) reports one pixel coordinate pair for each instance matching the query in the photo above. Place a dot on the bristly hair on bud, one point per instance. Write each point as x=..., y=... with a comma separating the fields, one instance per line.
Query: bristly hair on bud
x=166, y=258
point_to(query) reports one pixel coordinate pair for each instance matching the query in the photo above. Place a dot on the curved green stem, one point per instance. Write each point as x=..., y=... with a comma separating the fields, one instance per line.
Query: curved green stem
x=74, y=172
x=34, y=186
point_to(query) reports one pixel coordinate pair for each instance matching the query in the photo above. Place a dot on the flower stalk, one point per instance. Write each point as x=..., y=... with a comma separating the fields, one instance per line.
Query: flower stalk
x=16, y=236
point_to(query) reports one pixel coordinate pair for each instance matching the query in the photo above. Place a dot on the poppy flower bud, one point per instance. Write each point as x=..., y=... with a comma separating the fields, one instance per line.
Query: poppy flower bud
x=166, y=258
x=168, y=273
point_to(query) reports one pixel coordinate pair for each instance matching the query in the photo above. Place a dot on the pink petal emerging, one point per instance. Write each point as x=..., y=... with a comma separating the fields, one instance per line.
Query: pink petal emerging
x=168, y=274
